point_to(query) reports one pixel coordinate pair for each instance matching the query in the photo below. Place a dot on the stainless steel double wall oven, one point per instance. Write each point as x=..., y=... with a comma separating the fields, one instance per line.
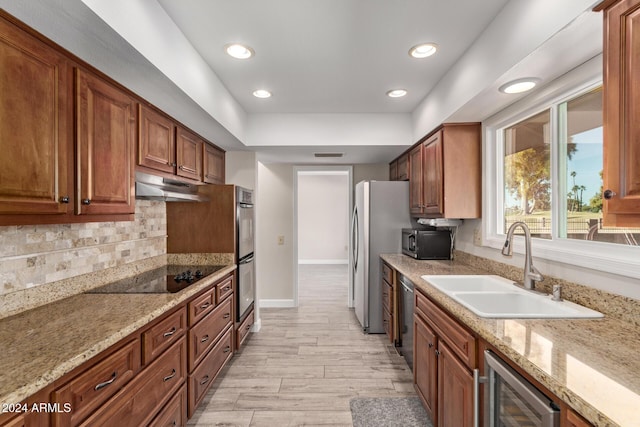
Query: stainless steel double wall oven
x=246, y=254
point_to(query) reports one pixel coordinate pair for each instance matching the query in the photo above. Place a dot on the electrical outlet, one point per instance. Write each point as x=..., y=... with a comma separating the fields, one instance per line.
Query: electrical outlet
x=280, y=240
x=477, y=237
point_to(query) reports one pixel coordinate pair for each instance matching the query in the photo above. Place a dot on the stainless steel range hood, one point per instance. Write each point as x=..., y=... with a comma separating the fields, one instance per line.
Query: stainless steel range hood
x=151, y=187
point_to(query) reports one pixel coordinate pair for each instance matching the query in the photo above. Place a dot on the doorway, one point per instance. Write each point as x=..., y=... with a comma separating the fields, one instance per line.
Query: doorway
x=322, y=219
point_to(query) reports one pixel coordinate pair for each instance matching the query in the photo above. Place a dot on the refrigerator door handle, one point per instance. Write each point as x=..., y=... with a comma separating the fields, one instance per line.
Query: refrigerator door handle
x=354, y=237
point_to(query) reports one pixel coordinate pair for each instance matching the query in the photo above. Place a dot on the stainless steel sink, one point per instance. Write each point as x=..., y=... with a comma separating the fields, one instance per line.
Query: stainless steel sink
x=497, y=297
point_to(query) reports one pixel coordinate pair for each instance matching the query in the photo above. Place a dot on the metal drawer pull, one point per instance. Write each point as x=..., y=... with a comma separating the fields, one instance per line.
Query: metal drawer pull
x=226, y=288
x=106, y=383
x=205, y=305
x=167, y=378
x=205, y=338
x=205, y=380
x=86, y=201
x=227, y=349
x=171, y=332
x=226, y=315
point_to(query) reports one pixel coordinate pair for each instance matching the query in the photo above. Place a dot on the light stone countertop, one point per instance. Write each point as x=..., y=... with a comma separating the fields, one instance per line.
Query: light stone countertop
x=592, y=365
x=39, y=346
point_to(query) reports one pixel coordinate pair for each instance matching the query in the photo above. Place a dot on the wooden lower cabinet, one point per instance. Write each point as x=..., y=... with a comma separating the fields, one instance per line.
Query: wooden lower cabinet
x=138, y=403
x=174, y=412
x=455, y=390
x=242, y=332
x=206, y=372
x=444, y=357
x=425, y=366
x=571, y=419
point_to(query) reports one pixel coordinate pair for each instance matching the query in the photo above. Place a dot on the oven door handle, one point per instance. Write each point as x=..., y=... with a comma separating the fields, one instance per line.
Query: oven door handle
x=246, y=260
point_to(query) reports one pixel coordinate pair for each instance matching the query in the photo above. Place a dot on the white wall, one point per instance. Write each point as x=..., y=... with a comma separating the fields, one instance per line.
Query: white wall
x=323, y=218
x=240, y=168
x=274, y=217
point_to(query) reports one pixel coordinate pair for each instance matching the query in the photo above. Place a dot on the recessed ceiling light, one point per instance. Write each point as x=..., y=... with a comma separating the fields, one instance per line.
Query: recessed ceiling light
x=261, y=93
x=239, y=51
x=519, y=86
x=423, y=50
x=396, y=93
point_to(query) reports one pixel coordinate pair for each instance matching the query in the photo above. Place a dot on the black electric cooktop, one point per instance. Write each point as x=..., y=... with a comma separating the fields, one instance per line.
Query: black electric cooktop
x=162, y=280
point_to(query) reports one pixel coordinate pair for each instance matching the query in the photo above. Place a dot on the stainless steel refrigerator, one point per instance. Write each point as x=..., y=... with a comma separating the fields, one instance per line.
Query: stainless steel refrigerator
x=380, y=213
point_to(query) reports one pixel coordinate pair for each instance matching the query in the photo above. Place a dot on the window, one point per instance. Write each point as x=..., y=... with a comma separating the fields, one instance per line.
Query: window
x=543, y=166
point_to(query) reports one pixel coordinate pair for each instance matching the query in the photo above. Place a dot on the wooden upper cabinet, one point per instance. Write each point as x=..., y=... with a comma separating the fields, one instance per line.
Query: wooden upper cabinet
x=36, y=127
x=105, y=127
x=445, y=173
x=621, y=174
x=156, y=140
x=403, y=168
x=416, y=202
x=432, y=175
x=213, y=166
x=188, y=154
x=393, y=170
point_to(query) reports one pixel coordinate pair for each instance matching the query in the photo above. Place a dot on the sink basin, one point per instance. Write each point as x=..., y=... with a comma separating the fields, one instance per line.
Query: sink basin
x=470, y=283
x=497, y=297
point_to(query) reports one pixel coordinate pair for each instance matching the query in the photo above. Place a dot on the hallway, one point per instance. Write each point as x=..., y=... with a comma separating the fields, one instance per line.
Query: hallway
x=306, y=363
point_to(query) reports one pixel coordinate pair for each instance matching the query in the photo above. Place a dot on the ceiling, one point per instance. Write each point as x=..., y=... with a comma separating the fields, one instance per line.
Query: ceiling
x=331, y=56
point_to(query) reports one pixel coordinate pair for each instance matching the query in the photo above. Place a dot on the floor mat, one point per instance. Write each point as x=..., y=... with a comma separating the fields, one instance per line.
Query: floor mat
x=388, y=412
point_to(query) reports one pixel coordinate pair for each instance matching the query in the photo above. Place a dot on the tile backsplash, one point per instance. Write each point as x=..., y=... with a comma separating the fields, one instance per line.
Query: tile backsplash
x=32, y=255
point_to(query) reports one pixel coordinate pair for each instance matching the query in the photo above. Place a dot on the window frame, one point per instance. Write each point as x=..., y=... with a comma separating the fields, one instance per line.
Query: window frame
x=607, y=257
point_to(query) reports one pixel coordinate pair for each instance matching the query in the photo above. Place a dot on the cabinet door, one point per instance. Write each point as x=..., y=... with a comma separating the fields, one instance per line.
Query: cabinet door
x=106, y=124
x=415, y=180
x=156, y=141
x=432, y=175
x=425, y=373
x=455, y=390
x=393, y=171
x=403, y=168
x=571, y=419
x=188, y=154
x=213, y=165
x=36, y=140
x=621, y=173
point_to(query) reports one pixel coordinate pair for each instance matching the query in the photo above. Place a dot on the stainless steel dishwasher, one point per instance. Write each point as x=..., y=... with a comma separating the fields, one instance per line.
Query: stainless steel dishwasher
x=406, y=316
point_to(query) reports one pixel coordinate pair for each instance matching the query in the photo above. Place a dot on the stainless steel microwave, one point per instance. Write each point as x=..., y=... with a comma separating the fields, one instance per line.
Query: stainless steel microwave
x=426, y=244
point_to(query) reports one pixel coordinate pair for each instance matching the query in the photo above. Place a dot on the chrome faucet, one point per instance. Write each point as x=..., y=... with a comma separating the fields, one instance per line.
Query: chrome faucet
x=531, y=274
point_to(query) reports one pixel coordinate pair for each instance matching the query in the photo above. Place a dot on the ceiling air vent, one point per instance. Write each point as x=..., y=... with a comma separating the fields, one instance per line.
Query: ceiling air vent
x=328, y=154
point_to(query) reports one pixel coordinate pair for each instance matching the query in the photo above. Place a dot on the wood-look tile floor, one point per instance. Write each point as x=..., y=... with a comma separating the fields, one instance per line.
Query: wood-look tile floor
x=306, y=363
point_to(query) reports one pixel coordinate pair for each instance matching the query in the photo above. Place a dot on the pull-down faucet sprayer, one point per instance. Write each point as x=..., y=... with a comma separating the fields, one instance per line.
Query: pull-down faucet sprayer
x=531, y=274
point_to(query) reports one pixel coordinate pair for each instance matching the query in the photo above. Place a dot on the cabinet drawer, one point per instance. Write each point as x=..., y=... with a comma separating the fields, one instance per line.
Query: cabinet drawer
x=159, y=337
x=387, y=273
x=137, y=403
x=224, y=289
x=174, y=412
x=90, y=389
x=387, y=296
x=243, y=330
x=206, y=333
x=206, y=372
x=462, y=343
x=387, y=323
x=201, y=305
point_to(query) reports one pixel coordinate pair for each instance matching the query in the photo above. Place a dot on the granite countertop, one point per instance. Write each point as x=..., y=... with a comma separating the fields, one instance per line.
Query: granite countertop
x=592, y=365
x=43, y=344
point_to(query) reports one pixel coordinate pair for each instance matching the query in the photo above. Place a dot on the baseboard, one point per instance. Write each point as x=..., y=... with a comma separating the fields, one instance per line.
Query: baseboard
x=276, y=303
x=323, y=261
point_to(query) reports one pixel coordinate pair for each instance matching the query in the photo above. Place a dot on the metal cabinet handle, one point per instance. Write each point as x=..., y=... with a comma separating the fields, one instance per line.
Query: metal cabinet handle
x=430, y=344
x=226, y=288
x=168, y=377
x=171, y=332
x=86, y=201
x=437, y=352
x=64, y=199
x=608, y=194
x=205, y=380
x=226, y=315
x=477, y=379
x=205, y=305
x=106, y=383
x=226, y=350
x=205, y=338
x=248, y=327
